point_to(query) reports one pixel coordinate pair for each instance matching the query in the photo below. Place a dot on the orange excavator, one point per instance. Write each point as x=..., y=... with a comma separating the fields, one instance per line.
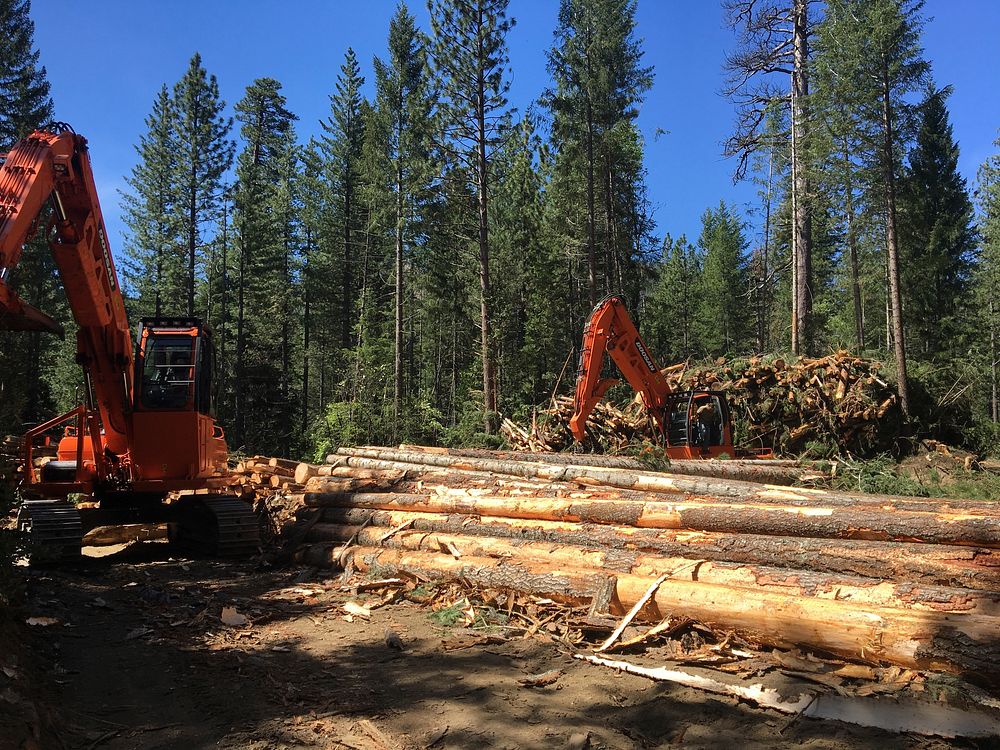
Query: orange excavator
x=693, y=424
x=147, y=427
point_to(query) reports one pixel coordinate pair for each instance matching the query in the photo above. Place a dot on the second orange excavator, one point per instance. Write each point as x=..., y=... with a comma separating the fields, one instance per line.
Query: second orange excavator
x=693, y=423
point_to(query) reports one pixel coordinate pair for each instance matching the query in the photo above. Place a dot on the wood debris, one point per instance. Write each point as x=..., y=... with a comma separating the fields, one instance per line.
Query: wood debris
x=835, y=404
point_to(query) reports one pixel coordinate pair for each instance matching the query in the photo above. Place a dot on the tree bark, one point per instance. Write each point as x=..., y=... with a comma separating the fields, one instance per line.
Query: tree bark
x=696, y=514
x=891, y=241
x=852, y=245
x=974, y=568
x=804, y=582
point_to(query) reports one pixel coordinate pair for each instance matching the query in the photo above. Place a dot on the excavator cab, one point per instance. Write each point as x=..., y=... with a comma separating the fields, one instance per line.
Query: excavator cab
x=697, y=424
x=174, y=430
x=174, y=366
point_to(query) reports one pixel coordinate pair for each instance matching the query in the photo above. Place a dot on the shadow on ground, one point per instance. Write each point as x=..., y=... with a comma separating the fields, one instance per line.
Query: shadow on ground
x=141, y=659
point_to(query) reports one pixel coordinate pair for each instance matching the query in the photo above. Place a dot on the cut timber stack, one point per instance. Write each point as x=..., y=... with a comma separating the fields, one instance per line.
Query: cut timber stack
x=913, y=582
x=839, y=402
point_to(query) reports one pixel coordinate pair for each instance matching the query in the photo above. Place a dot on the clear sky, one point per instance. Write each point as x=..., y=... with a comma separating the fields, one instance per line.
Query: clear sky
x=106, y=60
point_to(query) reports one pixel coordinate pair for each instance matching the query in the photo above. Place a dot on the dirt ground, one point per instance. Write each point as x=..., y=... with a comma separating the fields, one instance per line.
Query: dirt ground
x=138, y=657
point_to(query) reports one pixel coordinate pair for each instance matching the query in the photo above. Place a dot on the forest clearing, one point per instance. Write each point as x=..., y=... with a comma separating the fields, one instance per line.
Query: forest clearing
x=436, y=415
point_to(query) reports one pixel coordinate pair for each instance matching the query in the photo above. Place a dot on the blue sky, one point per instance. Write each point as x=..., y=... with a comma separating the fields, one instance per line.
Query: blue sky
x=106, y=60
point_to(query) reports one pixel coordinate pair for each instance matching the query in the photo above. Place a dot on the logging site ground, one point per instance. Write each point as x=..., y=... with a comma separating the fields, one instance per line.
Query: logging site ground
x=139, y=658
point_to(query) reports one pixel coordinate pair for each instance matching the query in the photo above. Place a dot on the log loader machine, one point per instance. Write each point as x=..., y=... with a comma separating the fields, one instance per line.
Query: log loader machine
x=147, y=430
x=692, y=423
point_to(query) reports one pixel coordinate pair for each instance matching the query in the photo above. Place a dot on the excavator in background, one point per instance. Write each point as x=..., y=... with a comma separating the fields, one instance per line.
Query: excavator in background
x=147, y=428
x=693, y=424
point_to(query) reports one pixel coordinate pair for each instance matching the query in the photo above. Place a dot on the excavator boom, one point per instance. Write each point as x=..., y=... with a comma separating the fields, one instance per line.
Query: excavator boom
x=53, y=166
x=611, y=331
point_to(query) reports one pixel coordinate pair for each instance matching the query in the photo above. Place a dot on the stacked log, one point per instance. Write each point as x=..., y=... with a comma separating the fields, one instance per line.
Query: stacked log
x=913, y=582
x=771, y=471
x=834, y=404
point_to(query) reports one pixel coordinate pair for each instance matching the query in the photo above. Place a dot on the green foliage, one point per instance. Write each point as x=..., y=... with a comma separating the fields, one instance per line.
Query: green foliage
x=877, y=475
x=204, y=154
x=722, y=324
x=938, y=238
x=669, y=320
x=884, y=476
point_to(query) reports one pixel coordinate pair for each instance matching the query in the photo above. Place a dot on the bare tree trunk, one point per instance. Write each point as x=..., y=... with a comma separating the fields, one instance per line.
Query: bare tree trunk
x=591, y=218
x=306, y=326
x=240, y=343
x=223, y=330
x=397, y=383
x=994, y=400
x=802, y=214
x=852, y=244
x=892, y=247
x=347, y=280
x=192, y=234
x=482, y=166
x=764, y=307
x=591, y=215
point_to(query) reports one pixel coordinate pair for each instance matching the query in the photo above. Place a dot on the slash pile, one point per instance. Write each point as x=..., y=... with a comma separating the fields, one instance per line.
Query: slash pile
x=882, y=580
x=840, y=403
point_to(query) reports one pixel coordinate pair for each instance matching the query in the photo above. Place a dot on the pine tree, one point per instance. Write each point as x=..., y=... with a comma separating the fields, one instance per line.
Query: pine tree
x=722, y=316
x=774, y=39
x=673, y=302
x=936, y=237
x=469, y=55
x=874, y=46
x=404, y=102
x=153, y=247
x=527, y=319
x=264, y=239
x=598, y=86
x=204, y=154
x=987, y=280
x=25, y=103
x=342, y=144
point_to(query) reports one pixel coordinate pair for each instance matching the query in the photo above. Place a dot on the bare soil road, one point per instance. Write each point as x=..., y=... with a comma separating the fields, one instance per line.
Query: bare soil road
x=139, y=657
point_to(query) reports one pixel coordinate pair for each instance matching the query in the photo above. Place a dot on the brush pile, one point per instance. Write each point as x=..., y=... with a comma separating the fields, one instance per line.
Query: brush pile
x=838, y=404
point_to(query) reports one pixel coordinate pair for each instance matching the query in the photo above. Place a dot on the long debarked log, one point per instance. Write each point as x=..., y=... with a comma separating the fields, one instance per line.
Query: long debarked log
x=929, y=564
x=415, y=479
x=957, y=643
x=769, y=471
x=695, y=515
x=650, y=482
x=861, y=592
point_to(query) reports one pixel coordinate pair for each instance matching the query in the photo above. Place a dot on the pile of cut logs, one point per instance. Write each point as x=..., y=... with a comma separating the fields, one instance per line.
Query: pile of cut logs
x=913, y=582
x=840, y=403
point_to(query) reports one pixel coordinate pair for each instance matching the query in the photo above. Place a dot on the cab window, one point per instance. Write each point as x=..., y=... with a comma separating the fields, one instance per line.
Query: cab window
x=168, y=372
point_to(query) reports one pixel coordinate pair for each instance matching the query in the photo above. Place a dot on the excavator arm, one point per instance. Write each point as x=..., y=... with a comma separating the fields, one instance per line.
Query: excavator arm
x=53, y=166
x=611, y=331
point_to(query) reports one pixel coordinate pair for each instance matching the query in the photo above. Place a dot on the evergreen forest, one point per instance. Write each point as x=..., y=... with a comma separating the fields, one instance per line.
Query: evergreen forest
x=421, y=264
